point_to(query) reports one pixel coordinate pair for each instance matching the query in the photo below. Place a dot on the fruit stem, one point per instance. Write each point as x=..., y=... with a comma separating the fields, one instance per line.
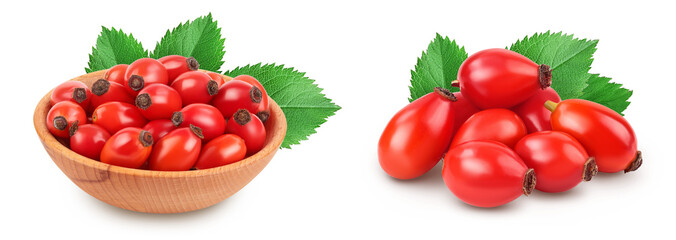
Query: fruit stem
x=529, y=181
x=136, y=82
x=146, y=138
x=455, y=83
x=241, y=117
x=143, y=101
x=263, y=115
x=100, y=87
x=192, y=63
x=550, y=105
x=79, y=95
x=445, y=93
x=197, y=131
x=256, y=94
x=177, y=118
x=73, y=128
x=638, y=161
x=545, y=76
x=212, y=87
x=590, y=169
x=60, y=122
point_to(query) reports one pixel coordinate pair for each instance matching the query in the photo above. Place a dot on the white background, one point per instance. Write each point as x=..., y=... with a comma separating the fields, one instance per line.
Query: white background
x=331, y=185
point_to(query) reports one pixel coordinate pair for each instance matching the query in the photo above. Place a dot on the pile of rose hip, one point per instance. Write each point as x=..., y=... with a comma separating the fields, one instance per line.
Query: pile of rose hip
x=161, y=115
x=503, y=130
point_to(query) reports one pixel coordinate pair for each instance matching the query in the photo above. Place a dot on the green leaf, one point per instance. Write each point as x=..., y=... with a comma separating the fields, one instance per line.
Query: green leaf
x=570, y=59
x=114, y=47
x=437, y=67
x=303, y=103
x=610, y=94
x=200, y=39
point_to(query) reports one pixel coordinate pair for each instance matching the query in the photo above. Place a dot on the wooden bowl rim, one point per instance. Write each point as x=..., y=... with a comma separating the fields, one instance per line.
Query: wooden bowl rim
x=51, y=142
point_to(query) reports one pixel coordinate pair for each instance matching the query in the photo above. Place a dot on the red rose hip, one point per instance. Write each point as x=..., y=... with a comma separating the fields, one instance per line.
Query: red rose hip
x=116, y=74
x=130, y=147
x=249, y=128
x=62, y=116
x=88, y=140
x=104, y=91
x=195, y=87
x=486, y=173
x=223, y=150
x=496, y=124
x=177, y=151
x=73, y=91
x=177, y=65
x=235, y=95
x=560, y=162
x=204, y=116
x=500, y=78
x=604, y=133
x=114, y=116
x=144, y=72
x=533, y=113
x=158, y=101
x=417, y=136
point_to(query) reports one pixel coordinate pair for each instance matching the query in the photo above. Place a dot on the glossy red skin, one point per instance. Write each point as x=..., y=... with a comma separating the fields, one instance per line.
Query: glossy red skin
x=498, y=78
x=176, y=151
x=234, y=95
x=604, y=133
x=206, y=117
x=192, y=86
x=116, y=73
x=175, y=65
x=116, y=93
x=497, y=124
x=124, y=149
x=71, y=111
x=223, y=150
x=216, y=77
x=264, y=105
x=416, y=137
x=88, y=140
x=159, y=128
x=114, y=116
x=64, y=92
x=557, y=158
x=484, y=173
x=463, y=109
x=253, y=133
x=533, y=112
x=150, y=69
x=165, y=101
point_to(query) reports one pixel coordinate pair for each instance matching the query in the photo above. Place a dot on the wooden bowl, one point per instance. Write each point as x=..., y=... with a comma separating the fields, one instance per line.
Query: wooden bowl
x=157, y=191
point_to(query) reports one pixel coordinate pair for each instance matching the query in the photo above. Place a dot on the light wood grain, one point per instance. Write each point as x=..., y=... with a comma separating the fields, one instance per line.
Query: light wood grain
x=157, y=191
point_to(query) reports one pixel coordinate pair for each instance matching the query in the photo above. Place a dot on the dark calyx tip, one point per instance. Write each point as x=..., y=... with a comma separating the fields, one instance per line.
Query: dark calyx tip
x=143, y=101
x=263, y=116
x=589, y=170
x=146, y=138
x=212, y=87
x=445, y=93
x=73, y=128
x=197, y=131
x=136, y=82
x=256, y=94
x=79, y=94
x=529, y=182
x=638, y=161
x=177, y=118
x=545, y=76
x=60, y=122
x=192, y=63
x=242, y=117
x=100, y=87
